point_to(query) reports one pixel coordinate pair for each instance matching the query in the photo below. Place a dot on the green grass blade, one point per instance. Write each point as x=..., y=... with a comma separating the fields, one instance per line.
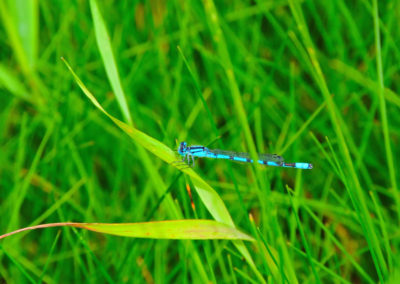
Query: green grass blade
x=13, y=84
x=53, y=246
x=27, y=19
x=9, y=25
x=364, y=81
x=18, y=265
x=304, y=240
x=302, y=128
x=383, y=112
x=104, y=45
x=358, y=196
x=339, y=245
x=174, y=230
x=323, y=268
x=179, y=229
x=15, y=215
x=383, y=226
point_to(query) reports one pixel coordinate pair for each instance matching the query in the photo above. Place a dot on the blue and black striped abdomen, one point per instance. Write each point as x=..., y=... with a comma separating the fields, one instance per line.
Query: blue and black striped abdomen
x=243, y=157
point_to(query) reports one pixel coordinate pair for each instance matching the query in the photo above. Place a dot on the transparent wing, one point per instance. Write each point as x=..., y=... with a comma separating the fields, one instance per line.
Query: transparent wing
x=264, y=157
x=230, y=153
x=271, y=158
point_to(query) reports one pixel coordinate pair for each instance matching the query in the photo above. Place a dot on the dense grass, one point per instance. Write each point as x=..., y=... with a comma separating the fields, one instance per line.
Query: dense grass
x=313, y=81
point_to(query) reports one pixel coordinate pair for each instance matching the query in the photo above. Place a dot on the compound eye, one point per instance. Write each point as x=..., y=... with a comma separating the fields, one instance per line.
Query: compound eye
x=182, y=147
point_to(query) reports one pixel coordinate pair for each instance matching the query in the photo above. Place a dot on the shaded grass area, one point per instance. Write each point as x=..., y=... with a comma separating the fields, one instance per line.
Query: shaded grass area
x=314, y=82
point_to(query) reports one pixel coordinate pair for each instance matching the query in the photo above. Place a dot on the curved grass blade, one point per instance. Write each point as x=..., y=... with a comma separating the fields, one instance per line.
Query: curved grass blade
x=175, y=230
x=208, y=195
x=104, y=45
x=210, y=198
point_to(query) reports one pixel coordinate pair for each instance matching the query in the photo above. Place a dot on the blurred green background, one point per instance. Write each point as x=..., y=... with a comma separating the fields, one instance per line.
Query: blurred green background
x=313, y=81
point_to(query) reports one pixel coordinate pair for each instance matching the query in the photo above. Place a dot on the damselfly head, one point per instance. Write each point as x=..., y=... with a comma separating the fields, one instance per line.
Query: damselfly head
x=182, y=148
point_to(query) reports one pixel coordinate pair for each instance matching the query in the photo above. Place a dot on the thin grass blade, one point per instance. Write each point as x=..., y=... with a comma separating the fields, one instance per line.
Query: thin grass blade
x=176, y=230
x=104, y=45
